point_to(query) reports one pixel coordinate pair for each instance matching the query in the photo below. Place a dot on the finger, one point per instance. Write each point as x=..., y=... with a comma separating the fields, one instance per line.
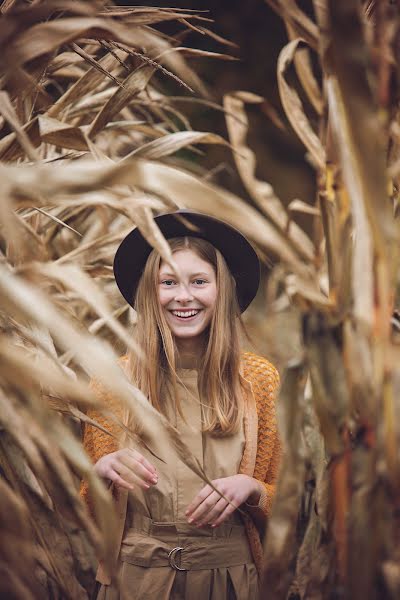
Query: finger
x=119, y=481
x=142, y=460
x=201, y=496
x=204, y=508
x=229, y=510
x=131, y=477
x=131, y=463
x=214, y=513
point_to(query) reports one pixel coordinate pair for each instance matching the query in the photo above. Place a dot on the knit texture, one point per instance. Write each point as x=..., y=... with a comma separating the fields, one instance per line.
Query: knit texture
x=264, y=381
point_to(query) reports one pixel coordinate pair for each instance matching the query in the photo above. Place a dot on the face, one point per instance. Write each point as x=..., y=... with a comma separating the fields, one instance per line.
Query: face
x=188, y=305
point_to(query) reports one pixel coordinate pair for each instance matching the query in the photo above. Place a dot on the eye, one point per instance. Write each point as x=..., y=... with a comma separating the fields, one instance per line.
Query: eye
x=200, y=281
x=168, y=282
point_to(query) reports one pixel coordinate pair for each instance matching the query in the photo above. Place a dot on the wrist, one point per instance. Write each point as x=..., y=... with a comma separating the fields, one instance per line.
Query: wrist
x=255, y=495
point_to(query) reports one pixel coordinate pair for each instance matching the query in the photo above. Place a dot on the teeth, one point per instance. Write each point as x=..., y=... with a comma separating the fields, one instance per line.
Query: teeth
x=186, y=313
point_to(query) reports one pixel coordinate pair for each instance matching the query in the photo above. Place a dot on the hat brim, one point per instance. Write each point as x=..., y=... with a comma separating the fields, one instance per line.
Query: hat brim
x=239, y=254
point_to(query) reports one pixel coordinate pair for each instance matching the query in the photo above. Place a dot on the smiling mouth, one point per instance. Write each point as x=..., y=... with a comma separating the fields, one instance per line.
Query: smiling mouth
x=185, y=314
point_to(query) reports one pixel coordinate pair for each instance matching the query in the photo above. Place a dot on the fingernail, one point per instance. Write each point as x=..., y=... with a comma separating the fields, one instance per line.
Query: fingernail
x=190, y=520
x=154, y=479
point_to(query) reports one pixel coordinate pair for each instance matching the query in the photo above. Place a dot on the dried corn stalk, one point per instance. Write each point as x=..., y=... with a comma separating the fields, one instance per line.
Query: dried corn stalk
x=334, y=529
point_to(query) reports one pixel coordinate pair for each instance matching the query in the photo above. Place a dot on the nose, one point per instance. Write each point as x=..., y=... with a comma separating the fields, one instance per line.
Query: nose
x=183, y=293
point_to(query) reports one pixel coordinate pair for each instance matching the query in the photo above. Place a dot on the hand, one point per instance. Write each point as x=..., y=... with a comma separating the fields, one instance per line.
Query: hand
x=127, y=468
x=209, y=508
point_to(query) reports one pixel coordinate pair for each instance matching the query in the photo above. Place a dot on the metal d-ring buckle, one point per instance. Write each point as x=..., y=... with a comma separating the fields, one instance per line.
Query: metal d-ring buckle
x=171, y=558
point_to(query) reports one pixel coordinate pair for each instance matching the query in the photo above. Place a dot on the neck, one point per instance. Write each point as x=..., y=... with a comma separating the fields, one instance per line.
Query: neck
x=189, y=352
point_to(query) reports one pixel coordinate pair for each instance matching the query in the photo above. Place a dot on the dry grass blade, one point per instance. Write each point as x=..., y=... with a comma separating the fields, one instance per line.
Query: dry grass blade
x=90, y=80
x=73, y=278
x=299, y=21
x=94, y=63
x=164, y=182
x=171, y=183
x=44, y=38
x=260, y=191
x=133, y=85
x=362, y=250
x=169, y=144
x=59, y=221
x=294, y=109
x=61, y=134
x=304, y=70
x=7, y=110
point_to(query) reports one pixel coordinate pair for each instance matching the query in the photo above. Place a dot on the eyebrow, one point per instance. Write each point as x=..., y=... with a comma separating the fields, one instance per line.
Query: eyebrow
x=163, y=274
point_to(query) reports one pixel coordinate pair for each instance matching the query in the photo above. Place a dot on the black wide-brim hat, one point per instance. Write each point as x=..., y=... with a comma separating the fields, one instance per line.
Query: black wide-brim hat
x=240, y=256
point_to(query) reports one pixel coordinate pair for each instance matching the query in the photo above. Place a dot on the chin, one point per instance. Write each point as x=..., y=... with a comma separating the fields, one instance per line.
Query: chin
x=187, y=334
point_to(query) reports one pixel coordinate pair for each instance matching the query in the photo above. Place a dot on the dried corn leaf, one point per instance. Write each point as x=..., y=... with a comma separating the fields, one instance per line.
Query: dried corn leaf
x=245, y=159
x=61, y=134
x=173, y=142
x=304, y=70
x=7, y=110
x=294, y=109
x=133, y=85
x=299, y=21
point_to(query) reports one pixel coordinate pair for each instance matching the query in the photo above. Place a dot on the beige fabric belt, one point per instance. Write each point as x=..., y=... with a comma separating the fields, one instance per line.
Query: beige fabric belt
x=182, y=547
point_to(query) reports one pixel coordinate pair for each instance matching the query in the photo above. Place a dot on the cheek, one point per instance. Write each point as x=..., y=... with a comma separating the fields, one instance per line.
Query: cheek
x=211, y=298
x=163, y=297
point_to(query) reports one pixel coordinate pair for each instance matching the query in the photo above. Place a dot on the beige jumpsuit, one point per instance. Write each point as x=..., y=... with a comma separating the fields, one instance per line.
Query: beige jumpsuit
x=158, y=542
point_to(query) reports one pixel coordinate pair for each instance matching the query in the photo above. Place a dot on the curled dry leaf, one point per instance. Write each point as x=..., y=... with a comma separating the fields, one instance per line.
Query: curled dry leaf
x=305, y=73
x=294, y=109
x=298, y=19
x=245, y=159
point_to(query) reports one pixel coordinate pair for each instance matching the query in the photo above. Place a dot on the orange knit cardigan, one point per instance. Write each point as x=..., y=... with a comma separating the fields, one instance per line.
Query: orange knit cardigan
x=260, y=458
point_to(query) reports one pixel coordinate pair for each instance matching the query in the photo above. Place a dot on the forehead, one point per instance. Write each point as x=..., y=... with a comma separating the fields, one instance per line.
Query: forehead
x=188, y=260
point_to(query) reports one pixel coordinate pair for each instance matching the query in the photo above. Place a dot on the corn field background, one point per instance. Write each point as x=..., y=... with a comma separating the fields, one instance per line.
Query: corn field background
x=96, y=105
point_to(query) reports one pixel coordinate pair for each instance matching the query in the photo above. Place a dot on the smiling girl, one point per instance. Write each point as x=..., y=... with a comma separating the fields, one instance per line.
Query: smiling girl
x=178, y=538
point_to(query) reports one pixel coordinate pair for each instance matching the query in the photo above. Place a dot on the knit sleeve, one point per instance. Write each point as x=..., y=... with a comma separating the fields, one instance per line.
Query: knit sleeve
x=264, y=379
x=100, y=441
x=269, y=485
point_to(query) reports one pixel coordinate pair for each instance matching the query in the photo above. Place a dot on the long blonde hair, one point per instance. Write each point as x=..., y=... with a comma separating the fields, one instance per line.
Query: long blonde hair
x=219, y=382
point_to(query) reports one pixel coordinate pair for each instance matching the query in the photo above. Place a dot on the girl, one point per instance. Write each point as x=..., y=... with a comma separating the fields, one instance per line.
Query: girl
x=178, y=538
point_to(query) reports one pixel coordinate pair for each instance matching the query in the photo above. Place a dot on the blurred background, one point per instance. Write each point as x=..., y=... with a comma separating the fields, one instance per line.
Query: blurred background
x=258, y=35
